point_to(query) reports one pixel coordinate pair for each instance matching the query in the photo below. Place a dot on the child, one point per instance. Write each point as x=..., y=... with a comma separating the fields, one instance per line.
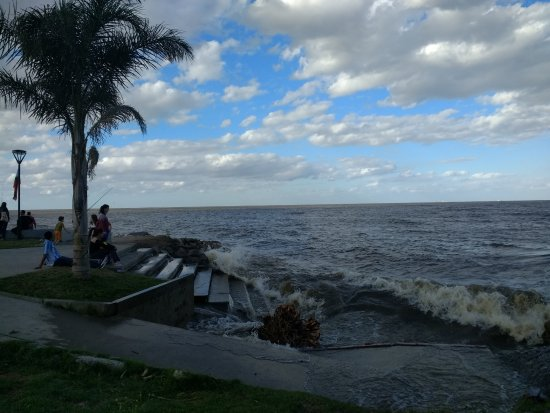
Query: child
x=59, y=227
x=51, y=256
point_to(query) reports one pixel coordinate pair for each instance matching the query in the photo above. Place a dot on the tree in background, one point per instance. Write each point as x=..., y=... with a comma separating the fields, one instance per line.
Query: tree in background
x=70, y=60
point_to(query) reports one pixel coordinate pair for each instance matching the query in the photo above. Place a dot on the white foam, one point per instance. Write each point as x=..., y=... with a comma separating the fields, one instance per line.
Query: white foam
x=235, y=262
x=230, y=261
x=521, y=314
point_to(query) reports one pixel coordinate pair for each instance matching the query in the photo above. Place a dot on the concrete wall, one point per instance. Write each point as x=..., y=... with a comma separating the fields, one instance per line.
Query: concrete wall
x=169, y=303
x=37, y=234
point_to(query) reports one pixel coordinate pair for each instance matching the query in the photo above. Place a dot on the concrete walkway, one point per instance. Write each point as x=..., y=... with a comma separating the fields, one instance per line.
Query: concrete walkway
x=455, y=378
x=21, y=260
x=15, y=261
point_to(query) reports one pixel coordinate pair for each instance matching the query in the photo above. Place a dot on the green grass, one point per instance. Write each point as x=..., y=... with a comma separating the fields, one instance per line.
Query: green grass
x=49, y=380
x=526, y=404
x=21, y=243
x=59, y=282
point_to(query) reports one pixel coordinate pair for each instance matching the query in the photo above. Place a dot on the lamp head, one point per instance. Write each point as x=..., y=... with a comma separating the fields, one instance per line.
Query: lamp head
x=19, y=155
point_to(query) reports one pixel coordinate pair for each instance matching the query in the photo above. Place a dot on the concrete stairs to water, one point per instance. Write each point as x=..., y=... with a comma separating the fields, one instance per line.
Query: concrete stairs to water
x=212, y=288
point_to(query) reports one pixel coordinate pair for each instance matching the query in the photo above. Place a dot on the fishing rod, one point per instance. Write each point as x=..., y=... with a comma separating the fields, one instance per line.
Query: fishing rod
x=100, y=198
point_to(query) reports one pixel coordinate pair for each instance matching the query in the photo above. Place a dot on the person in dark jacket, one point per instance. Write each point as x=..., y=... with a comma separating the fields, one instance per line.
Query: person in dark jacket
x=4, y=219
x=100, y=249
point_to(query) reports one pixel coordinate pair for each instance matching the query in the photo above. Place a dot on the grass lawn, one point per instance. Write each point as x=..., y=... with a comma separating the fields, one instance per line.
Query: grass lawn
x=59, y=282
x=21, y=243
x=50, y=380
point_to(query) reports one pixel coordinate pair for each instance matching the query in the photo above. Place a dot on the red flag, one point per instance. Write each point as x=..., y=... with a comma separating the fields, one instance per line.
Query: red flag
x=16, y=185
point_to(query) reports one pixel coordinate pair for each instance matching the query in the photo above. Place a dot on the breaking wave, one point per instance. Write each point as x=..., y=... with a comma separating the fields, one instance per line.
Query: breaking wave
x=239, y=262
x=519, y=314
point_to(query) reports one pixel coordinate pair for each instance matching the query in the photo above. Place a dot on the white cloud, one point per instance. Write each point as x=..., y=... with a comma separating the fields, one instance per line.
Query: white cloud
x=289, y=54
x=21, y=132
x=226, y=123
x=248, y=121
x=126, y=132
x=263, y=166
x=304, y=111
x=192, y=18
x=158, y=100
x=345, y=84
x=361, y=167
x=306, y=90
x=207, y=63
x=499, y=98
x=239, y=93
x=149, y=166
x=417, y=50
x=486, y=175
x=454, y=174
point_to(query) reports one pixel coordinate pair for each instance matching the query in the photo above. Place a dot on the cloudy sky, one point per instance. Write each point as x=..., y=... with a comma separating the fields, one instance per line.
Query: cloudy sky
x=318, y=101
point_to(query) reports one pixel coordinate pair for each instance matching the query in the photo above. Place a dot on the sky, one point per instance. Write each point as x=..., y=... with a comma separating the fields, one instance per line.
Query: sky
x=318, y=102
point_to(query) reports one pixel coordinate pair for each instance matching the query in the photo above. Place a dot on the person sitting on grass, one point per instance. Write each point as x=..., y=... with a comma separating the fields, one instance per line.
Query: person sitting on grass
x=100, y=249
x=51, y=256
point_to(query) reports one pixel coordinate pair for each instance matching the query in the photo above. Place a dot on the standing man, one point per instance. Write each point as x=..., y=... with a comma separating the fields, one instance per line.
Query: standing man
x=31, y=221
x=4, y=219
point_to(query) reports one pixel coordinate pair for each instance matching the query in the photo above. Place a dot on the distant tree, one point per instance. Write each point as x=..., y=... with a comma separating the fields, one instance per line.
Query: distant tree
x=70, y=60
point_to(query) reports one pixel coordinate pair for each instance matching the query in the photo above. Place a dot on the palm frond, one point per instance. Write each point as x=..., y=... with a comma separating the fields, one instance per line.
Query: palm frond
x=93, y=159
x=110, y=119
x=33, y=98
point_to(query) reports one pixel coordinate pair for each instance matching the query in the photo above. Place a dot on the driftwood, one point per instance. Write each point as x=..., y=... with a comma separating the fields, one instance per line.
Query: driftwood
x=286, y=327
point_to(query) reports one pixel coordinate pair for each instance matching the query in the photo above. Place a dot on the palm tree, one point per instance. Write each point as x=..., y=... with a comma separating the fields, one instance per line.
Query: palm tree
x=70, y=60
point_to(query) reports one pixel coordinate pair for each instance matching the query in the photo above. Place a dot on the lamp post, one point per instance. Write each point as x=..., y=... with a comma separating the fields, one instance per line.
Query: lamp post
x=19, y=155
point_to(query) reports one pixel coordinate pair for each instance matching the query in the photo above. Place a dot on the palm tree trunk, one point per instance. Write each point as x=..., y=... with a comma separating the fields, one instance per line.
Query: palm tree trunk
x=81, y=259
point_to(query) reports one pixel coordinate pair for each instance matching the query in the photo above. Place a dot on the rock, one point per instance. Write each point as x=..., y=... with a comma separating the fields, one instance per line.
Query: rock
x=190, y=249
x=286, y=327
x=536, y=394
x=92, y=361
x=139, y=234
x=286, y=287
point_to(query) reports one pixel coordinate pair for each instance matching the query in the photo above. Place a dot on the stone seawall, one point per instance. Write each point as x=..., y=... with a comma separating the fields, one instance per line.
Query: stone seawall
x=37, y=234
x=170, y=303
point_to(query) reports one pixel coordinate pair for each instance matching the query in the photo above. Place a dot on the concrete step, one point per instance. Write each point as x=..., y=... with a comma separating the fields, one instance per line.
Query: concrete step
x=219, y=291
x=202, y=285
x=260, y=303
x=171, y=269
x=132, y=258
x=240, y=300
x=153, y=265
x=125, y=249
x=188, y=270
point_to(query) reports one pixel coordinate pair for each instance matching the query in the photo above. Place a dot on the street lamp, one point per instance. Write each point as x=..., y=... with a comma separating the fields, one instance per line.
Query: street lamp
x=19, y=155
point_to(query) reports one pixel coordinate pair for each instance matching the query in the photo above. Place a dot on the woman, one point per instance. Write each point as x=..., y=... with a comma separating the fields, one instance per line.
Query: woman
x=103, y=222
x=93, y=225
x=4, y=219
x=102, y=250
